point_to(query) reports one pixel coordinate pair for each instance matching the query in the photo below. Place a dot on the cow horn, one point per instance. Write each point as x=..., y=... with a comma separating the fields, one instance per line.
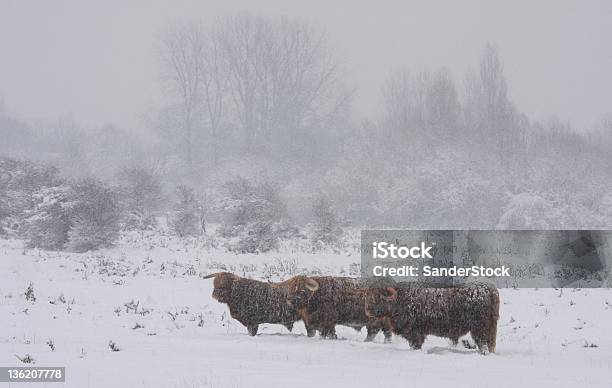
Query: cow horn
x=312, y=285
x=212, y=275
x=235, y=278
x=392, y=294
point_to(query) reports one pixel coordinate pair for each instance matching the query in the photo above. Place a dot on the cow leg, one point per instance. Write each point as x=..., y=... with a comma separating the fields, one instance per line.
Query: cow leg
x=388, y=335
x=332, y=334
x=372, y=332
x=328, y=332
x=415, y=340
x=492, y=337
x=480, y=337
x=252, y=329
x=310, y=331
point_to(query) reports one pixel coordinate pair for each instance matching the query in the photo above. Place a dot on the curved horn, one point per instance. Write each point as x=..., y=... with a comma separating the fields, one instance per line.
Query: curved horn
x=234, y=278
x=392, y=294
x=312, y=285
x=212, y=275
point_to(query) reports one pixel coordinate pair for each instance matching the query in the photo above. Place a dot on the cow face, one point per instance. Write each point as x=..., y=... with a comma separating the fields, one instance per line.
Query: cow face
x=300, y=290
x=223, y=283
x=380, y=301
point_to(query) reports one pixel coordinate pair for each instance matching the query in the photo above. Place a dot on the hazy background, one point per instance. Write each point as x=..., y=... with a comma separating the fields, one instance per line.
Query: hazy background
x=95, y=60
x=289, y=121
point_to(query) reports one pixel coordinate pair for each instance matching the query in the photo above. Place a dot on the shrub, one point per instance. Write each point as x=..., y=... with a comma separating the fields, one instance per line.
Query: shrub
x=525, y=210
x=188, y=217
x=19, y=180
x=94, y=215
x=255, y=215
x=263, y=236
x=46, y=225
x=142, y=197
x=327, y=223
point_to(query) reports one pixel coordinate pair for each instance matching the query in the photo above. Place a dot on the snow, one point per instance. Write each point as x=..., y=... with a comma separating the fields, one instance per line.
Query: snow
x=546, y=337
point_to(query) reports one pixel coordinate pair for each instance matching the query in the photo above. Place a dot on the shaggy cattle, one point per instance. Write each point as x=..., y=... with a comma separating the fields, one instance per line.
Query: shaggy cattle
x=324, y=302
x=415, y=311
x=252, y=302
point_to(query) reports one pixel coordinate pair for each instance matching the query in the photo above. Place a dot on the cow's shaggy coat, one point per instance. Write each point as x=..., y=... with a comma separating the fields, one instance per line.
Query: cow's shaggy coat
x=415, y=312
x=324, y=302
x=252, y=302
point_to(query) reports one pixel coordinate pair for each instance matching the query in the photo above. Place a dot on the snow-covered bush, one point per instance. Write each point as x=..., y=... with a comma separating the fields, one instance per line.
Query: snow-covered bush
x=95, y=215
x=80, y=216
x=255, y=215
x=263, y=236
x=142, y=197
x=19, y=180
x=29, y=293
x=528, y=211
x=46, y=225
x=187, y=218
x=327, y=223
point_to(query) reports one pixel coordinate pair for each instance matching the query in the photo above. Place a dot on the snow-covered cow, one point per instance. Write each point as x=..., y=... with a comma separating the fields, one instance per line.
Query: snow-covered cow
x=415, y=311
x=252, y=302
x=325, y=301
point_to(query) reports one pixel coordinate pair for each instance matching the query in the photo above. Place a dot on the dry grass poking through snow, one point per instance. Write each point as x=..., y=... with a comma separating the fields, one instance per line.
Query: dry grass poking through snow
x=145, y=298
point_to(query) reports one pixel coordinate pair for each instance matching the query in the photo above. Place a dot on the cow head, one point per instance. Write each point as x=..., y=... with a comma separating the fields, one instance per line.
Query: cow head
x=379, y=301
x=300, y=290
x=223, y=283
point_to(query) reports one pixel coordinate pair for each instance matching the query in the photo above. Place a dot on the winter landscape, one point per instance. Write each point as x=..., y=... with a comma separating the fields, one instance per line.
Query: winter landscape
x=147, y=300
x=144, y=147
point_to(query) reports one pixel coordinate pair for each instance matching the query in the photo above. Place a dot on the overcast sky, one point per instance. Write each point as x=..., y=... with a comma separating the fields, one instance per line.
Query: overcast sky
x=95, y=59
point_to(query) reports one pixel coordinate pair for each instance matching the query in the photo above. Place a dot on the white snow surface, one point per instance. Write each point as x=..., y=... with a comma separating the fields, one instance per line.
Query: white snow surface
x=546, y=337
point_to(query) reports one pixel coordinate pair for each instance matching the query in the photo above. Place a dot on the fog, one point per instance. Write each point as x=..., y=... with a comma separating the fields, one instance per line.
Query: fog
x=146, y=146
x=456, y=115
x=96, y=60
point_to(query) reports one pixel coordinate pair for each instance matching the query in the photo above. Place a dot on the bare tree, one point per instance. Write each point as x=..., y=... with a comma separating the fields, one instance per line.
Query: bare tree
x=396, y=94
x=442, y=105
x=183, y=50
x=493, y=85
x=273, y=78
x=489, y=113
x=215, y=86
x=283, y=78
x=242, y=40
x=405, y=97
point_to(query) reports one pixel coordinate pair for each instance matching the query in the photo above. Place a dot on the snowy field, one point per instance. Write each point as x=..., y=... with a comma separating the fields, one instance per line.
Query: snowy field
x=146, y=296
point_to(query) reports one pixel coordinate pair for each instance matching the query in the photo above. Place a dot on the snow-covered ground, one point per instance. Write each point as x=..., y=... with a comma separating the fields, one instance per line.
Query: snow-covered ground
x=146, y=296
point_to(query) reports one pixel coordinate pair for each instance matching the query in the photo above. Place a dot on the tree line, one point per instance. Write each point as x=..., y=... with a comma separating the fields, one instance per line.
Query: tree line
x=264, y=100
x=52, y=212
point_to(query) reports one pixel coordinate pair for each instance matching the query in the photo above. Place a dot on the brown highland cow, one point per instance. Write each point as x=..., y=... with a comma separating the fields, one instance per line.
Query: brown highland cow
x=325, y=301
x=415, y=312
x=252, y=302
